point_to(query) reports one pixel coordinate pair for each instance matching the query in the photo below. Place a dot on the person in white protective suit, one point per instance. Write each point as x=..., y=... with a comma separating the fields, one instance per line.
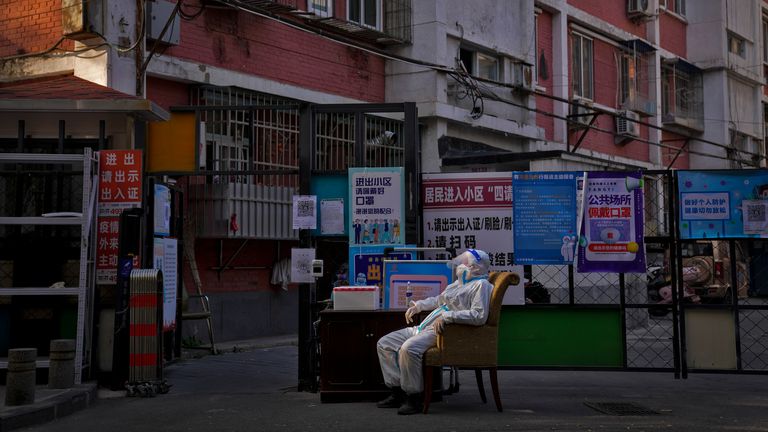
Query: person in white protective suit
x=465, y=301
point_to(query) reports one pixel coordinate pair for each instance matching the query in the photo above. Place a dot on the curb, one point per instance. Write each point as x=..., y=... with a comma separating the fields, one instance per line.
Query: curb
x=70, y=401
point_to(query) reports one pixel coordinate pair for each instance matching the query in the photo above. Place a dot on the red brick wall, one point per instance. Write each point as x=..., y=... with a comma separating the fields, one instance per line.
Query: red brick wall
x=673, y=34
x=257, y=253
x=613, y=12
x=30, y=26
x=544, y=47
x=606, y=85
x=167, y=93
x=254, y=45
x=668, y=153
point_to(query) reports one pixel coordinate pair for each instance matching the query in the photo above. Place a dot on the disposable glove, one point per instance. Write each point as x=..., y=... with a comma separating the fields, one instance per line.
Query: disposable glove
x=410, y=313
x=439, y=325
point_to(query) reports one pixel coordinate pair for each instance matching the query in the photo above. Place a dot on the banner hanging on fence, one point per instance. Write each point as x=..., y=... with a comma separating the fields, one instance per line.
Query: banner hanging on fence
x=468, y=211
x=545, y=217
x=612, y=225
x=723, y=204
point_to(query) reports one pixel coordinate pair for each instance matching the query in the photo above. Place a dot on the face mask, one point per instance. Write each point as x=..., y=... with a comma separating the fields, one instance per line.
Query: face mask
x=462, y=273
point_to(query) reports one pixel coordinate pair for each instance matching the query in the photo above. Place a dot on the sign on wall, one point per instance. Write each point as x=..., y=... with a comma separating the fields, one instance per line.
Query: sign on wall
x=612, y=225
x=470, y=211
x=723, y=204
x=545, y=217
x=120, y=186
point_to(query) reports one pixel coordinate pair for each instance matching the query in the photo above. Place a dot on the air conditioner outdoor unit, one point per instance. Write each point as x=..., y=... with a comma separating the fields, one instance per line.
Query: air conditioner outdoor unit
x=523, y=77
x=639, y=8
x=581, y=111
x=626, y=123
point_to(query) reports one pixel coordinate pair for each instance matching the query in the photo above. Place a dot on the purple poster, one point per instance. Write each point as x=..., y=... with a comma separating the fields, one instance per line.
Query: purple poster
x=612, y=224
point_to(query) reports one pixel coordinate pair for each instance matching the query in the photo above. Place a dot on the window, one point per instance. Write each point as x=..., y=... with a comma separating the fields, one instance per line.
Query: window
x=481, y=65
x=682, y=94
x=737, y=45
x=765, y=49
x=322, y=8
x=679, y=7
x=744, y=151
x=628, y=78
x=365, y=12
x=581, y=66
x=676, y=6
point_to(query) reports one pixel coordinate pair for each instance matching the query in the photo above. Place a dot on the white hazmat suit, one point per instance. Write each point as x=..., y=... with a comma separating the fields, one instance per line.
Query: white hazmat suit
x=466, y=301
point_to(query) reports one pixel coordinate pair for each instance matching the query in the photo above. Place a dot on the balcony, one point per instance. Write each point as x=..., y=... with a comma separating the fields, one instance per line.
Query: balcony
x=391, y=25
x=270, y=5
x=682, y=104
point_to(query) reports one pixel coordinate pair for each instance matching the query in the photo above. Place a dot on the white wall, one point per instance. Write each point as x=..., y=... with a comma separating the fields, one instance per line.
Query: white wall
x=504, y=29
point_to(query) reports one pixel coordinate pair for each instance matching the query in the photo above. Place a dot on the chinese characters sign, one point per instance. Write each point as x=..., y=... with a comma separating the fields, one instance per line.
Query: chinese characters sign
x=468, y=211
x=366, y=264
x=612, y=228
x=119, y=189
x=545, y=217
x=723, y=204
x=377, y=211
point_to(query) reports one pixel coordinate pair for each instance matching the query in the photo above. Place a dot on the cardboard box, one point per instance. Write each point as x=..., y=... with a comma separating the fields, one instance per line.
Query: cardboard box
x=356, y=298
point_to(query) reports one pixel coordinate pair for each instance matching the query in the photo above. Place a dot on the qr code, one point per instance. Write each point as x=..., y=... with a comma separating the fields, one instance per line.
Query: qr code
x=756, y=212
x=306, y=208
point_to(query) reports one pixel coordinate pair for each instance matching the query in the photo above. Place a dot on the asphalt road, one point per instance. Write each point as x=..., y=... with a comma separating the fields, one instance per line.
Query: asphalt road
x=255, y=390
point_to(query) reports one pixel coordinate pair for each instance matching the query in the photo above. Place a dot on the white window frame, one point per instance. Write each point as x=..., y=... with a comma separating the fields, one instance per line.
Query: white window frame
x=474, y=68
x=585, y=65
x=379, y=14
x=315, y=6
x=679, y=7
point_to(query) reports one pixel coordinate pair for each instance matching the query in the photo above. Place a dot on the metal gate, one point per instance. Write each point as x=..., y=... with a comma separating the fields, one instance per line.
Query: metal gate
x=259, y=150
x=684, y=315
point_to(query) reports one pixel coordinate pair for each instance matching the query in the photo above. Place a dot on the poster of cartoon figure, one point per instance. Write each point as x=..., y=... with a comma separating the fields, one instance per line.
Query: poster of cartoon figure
x=377, y=209
x=612, y=225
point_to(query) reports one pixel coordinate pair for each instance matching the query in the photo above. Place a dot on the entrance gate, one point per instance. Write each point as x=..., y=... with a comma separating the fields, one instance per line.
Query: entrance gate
x=257, y=151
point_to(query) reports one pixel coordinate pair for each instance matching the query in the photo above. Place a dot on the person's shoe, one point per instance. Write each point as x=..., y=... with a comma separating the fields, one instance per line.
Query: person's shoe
x=412, y=404
x=394, y=400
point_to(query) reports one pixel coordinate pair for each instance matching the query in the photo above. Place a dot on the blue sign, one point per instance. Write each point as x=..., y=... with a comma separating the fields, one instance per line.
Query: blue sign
x=723, y=204
x=366, y=263
x=544, y=209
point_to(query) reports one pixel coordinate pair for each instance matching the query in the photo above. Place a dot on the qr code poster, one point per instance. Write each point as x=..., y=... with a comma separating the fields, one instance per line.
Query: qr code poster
x=755, y=221
x=301, y=265
x=304, y=212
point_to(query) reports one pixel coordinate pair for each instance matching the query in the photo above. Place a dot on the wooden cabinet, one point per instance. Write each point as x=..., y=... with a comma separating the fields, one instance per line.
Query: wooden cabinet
x=349, y=364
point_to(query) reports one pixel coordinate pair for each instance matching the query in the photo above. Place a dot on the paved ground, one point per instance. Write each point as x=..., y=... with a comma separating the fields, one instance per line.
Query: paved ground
x=254, y=389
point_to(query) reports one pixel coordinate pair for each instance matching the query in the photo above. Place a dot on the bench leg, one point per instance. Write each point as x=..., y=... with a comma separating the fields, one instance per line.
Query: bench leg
x=495, y=388
x=479, y=377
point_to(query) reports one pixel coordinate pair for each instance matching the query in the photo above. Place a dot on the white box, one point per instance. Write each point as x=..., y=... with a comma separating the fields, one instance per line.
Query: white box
x=356, y=298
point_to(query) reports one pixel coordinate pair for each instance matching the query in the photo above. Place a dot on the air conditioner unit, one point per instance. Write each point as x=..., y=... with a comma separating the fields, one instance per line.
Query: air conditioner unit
x=523, y=77
x=626, y=123
x=580, y=113
x=639, y=8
